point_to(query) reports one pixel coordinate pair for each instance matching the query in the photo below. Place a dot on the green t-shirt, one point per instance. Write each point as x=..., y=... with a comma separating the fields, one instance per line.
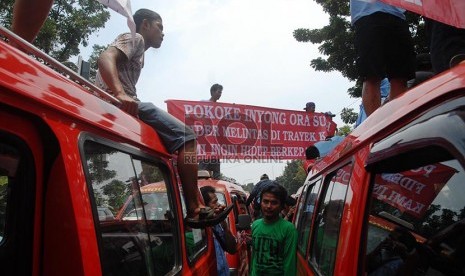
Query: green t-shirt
x=274, y=248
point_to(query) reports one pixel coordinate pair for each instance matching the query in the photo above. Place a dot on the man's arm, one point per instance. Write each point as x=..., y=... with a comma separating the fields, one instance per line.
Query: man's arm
x=107, y=66
x=29, y=16
x=253, y=194
x=230, y=243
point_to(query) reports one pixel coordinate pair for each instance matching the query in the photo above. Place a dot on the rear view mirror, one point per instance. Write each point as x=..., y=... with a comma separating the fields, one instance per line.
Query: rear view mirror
x=243, y=222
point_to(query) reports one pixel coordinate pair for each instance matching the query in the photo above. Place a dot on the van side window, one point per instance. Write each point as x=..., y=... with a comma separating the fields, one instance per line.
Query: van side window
x=328, y=221
x=17, y=201
x=9, y=163
x=196, y=239
x=222, y=200
x=416, y=220
x=305, y=223
x=133, y=211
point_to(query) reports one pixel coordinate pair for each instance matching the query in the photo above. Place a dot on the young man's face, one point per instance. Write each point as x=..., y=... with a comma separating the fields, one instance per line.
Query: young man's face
x=310, y=108
x=213, y=201
x=216, y=95
x=271, y=206
x=155, y=33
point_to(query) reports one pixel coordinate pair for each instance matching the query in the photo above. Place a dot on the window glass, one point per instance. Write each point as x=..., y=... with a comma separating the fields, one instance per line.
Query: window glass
x=221, y=198
x=301, y=197
x=196, y=239
x=307, y=211
x=133, y=211
x=417, y=221
x=9, y=161
x=328, y=222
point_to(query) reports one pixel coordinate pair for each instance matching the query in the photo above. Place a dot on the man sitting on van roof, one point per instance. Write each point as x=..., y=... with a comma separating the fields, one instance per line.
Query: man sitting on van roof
x=119, y=68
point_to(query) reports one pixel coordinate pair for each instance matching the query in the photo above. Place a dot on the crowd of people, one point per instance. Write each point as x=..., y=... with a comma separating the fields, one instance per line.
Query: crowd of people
x=386, y=57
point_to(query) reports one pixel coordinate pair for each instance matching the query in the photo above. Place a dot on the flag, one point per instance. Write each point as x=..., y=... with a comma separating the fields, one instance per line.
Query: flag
x=451, y=12
x=122, y=7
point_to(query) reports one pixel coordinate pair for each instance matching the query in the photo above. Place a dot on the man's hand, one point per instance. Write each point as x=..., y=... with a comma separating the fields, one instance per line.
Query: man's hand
x=128, y=104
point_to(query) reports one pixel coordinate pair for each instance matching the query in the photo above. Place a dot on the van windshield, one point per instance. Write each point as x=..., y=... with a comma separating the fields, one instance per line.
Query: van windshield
x=421, y=199
x=423, y=209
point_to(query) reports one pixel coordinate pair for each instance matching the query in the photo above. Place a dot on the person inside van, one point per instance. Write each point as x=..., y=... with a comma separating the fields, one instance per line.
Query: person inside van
x=119, y=67
x=223, y=239
x=396, y=255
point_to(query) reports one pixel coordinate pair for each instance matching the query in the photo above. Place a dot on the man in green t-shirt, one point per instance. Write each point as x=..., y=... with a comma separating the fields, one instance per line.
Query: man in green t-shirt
x=274, y=239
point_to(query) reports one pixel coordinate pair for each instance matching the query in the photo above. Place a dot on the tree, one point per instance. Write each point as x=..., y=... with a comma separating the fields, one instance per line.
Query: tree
x=293, y=176
x=97, y=50
x=336, y=41
x=69, y=24
x=348, y=115
x=344, y=130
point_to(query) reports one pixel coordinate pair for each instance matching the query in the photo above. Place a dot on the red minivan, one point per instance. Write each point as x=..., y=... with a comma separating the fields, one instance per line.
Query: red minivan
x=69, y=161
x=390, y=198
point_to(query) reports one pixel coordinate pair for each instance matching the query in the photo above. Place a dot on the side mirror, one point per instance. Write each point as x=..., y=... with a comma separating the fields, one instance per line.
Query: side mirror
x=243, y=222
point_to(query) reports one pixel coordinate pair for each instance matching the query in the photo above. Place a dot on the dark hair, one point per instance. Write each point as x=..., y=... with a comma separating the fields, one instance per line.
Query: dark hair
x=216, y=87
x=277, y=190
x=311, y=153
x=205, y=191
x=290, y=201
x=406, y=238
x=142, y=14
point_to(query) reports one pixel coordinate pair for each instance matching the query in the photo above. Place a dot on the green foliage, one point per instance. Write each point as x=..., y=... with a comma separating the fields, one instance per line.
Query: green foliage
x=6, y=12
x=98, y=168
x=336, y=41
x=150, y=173
x=348, y=115
x=69, y=24
x=344, y=130
x=96, y=51
x=3, y=202
x=117, y=193
x=293, y=176
x=3, y=180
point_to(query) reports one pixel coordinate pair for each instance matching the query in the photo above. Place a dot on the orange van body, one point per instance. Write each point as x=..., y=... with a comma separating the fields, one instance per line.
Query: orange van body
x=68, y=160
x=402, y=169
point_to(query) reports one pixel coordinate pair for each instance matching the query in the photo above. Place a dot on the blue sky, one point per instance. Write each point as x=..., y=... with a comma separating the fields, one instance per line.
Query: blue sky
x=245, y=45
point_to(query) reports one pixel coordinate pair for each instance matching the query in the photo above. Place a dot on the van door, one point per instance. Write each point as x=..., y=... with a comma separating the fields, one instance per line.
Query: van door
x=20, y=178
x=134, y=209
x=319, y=222
x=415, y=222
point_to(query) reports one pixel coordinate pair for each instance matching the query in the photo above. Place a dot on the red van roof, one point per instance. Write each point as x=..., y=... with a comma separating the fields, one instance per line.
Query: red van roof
x=42, y=89
x=396, y=113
